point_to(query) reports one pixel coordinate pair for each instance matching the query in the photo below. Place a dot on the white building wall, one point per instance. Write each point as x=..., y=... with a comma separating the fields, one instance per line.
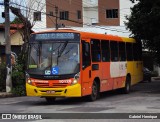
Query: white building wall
x=125, y=6
x=34, y=6
x=90, y=12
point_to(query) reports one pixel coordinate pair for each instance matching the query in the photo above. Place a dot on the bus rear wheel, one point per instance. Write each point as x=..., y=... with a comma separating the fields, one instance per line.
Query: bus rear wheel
x=95, y=92
x=50, y=99
x=127, y=87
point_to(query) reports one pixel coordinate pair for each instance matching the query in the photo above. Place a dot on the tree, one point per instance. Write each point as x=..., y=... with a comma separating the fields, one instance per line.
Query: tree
x=145, y=25
x=24, y=13
x=16, y=21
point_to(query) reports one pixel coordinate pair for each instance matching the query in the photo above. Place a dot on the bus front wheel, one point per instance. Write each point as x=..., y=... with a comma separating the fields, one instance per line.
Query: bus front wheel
x=95, y=92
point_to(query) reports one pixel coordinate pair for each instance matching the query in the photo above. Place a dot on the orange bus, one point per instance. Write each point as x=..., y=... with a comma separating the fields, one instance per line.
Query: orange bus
x=69, y=63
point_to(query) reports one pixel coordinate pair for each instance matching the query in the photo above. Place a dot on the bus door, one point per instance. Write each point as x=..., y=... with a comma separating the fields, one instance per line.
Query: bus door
x=86, y=68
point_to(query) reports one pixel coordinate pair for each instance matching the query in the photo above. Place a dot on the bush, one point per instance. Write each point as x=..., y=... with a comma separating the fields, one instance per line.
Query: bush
x=19, y=90
x=18, y=76
x=18, y=80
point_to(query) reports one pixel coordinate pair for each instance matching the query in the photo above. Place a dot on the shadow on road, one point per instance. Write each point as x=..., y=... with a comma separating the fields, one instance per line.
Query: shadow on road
x=140, y=89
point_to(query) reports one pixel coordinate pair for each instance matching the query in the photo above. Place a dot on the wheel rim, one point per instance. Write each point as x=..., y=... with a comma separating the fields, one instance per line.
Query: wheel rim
x=94, y=90
x=128, y=87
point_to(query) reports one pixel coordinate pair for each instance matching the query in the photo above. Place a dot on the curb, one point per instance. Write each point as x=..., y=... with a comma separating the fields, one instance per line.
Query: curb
x=5, y=95
x=155, y=78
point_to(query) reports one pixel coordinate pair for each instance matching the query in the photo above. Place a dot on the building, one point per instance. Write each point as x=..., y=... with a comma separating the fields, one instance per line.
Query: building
x=75, y=13
x=16, y=40
x=104, y=14
x=82, y=13
x=36, y=13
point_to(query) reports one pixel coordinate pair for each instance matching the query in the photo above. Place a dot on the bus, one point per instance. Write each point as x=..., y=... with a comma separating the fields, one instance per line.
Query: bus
x=70, y=63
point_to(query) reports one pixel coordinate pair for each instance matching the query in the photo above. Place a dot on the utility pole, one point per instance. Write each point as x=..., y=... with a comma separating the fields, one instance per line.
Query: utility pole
x=56, y=12
x=8, y=48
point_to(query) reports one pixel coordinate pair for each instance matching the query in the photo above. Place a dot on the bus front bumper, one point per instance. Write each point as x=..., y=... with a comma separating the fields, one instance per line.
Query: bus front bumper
x=69, y=91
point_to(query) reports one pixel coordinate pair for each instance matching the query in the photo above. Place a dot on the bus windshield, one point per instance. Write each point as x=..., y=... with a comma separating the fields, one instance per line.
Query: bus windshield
x=53, y=58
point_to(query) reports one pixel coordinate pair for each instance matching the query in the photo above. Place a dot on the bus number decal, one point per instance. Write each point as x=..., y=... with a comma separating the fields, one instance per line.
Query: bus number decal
x=64, y=81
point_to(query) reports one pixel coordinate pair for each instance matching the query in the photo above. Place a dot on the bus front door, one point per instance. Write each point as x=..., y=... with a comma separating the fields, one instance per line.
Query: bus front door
x=86, y=69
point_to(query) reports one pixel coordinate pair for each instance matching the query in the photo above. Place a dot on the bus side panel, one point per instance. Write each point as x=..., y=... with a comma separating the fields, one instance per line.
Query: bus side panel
x=118, y=72
x=106, y=82
x=86, y=81
x=137, y=72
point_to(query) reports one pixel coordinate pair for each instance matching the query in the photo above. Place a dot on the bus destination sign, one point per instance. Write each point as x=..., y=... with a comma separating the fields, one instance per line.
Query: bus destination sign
x=50, y=36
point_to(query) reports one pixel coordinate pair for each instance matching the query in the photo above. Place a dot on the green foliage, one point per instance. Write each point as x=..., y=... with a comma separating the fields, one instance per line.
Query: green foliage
x=144, y=24
x=16, y=21
x=18, y=80
x=18, y=76
x=2, y=77
x=19, y=90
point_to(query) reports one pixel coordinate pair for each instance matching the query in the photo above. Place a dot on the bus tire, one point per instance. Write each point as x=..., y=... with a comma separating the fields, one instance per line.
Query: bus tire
x=95, y=92
x=50, y=99
x=127, y=87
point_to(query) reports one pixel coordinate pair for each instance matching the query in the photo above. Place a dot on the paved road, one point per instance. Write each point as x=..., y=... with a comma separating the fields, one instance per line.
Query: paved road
x=144, y=98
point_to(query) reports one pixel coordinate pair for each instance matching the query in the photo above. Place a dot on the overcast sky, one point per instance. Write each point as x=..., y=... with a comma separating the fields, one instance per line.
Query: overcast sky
x=2, y=10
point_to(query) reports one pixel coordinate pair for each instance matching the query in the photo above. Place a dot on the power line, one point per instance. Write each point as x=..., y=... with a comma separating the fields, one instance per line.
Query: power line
x=73, y=20
x=52, y=5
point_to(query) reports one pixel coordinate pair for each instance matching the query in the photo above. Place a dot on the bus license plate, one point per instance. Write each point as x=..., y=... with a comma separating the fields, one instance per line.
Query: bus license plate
x=50, y=92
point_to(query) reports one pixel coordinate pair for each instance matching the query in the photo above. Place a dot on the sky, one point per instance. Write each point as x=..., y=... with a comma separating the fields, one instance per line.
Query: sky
x=2, y=10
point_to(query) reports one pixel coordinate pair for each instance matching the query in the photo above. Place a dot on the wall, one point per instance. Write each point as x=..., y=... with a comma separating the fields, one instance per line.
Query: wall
x=2, y=38
x=125, y=10
x=108, y=4
x=64, y=5
x=16, y=39
x=38, y=5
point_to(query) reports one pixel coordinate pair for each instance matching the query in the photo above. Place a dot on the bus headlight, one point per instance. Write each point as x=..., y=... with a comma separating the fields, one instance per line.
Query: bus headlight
x=76, y=78
x=75, y=81
x=28, y=80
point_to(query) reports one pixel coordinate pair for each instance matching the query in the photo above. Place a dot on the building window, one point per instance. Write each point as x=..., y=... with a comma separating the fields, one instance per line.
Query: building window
x=79, y=14
x=112, y=13
x=51, y=13
x=64, y=15
x=37, y=16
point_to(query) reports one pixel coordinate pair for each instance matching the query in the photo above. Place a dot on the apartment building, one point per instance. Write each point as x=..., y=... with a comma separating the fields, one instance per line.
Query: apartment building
x=80, y=13
x=67, y=13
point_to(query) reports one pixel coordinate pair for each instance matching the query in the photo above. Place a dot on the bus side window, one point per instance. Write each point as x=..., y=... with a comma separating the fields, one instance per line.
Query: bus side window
x=137, y=54
x=135, y=51
x=105, y=50
x=86, y=57
x=122, y=52
x=129, y=51
x=95, y=50
x=114, y=50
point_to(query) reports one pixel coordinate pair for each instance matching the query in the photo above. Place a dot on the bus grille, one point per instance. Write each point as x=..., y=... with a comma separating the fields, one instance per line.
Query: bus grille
x=51, y=85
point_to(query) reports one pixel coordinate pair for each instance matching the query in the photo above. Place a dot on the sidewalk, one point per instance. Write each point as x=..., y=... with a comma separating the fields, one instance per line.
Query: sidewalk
x=5, y=94
x=155, y=78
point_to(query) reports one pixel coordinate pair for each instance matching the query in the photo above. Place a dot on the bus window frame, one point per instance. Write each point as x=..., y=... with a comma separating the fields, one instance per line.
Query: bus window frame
x=88, y=62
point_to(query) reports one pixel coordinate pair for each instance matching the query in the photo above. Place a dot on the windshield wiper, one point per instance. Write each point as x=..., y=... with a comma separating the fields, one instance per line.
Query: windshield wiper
x=62, y=49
